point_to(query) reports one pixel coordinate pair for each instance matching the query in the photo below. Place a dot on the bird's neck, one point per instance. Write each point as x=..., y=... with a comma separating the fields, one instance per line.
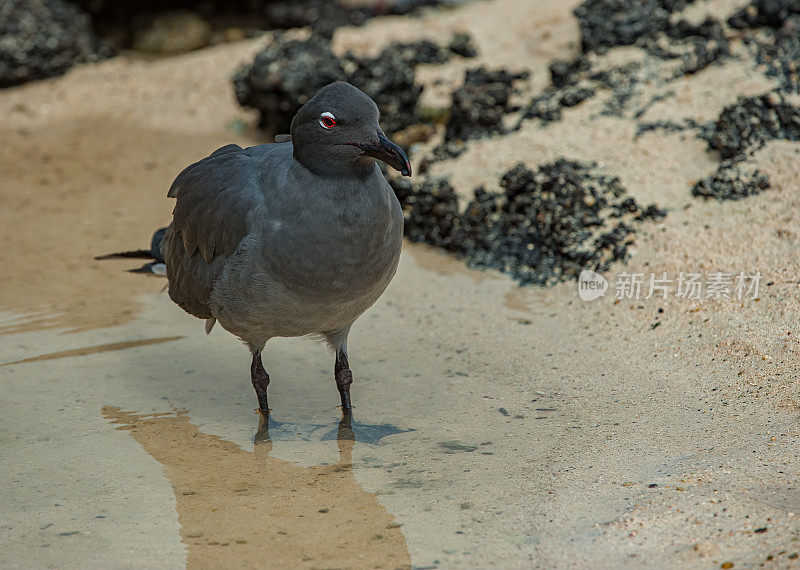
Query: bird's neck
x=328, y=165
x=361, y=170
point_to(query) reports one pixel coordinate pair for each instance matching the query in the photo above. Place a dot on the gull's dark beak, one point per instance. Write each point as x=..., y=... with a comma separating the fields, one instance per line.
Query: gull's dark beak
x=388, y=152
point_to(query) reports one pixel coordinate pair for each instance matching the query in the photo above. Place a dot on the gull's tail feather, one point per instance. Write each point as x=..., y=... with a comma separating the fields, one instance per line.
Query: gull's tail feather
x=155, y=267
x=135, y=253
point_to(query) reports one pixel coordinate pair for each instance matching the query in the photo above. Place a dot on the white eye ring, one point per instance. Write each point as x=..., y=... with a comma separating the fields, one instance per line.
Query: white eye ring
x=327, y=120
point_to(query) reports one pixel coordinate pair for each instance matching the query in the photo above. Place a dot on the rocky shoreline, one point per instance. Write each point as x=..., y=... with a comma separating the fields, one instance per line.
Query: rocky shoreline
x=492, y=104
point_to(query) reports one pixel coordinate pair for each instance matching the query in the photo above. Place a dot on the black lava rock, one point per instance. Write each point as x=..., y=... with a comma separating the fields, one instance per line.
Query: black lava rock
x=322, y=16
x=759, y=13
x=389, y=80
x=283, y=76
x=546, y=106
x=480, y=104
x=325, y=16
x=462, y=45
x=625, y=83
x=667, y=126
x=709, y=29
x=433, y=207
x=750, y=122
x=546, y=226
x=731, y=182
x=778, y=50
x=423, y=51
x=567, y=71
x=287, y=72
x=44, y=38
x=610, y=23
x=573, y=95
x=697, y=46
x=700, y=56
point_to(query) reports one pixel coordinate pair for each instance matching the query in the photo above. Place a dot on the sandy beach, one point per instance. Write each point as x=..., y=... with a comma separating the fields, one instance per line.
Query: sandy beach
x=496, y=425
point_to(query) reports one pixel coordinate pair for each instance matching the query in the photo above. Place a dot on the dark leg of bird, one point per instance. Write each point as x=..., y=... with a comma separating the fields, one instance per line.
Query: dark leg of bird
x=343, y=379
x=260, y=380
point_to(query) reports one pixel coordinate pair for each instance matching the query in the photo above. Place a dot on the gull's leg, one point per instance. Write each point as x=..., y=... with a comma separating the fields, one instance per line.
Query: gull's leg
x=343, y=378
x=260, y=380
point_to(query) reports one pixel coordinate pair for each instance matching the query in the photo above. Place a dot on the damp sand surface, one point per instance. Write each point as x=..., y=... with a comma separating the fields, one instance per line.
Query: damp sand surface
x=265, y=508
x=493, y=425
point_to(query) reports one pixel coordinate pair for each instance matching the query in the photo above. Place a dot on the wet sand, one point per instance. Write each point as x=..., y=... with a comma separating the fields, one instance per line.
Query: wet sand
x=534, y=429
x=265, y=509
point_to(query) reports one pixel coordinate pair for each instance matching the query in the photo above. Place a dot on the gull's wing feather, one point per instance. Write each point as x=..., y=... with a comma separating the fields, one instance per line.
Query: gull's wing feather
x=213, y=199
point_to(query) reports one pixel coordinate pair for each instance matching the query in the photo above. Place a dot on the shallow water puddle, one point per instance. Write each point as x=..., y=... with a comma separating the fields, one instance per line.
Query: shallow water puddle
x=238, y=508
x=74, y=190
x=291, y=431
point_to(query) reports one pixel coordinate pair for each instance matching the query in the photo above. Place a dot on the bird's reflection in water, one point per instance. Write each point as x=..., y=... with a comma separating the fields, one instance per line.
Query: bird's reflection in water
x=348, y=429
x=243, y=509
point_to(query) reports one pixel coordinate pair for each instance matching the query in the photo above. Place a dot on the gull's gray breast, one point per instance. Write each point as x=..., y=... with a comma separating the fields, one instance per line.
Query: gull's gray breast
x=315, y=259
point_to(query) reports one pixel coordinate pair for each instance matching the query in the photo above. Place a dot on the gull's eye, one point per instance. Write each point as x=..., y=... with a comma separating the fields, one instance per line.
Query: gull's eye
x=327, y=120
